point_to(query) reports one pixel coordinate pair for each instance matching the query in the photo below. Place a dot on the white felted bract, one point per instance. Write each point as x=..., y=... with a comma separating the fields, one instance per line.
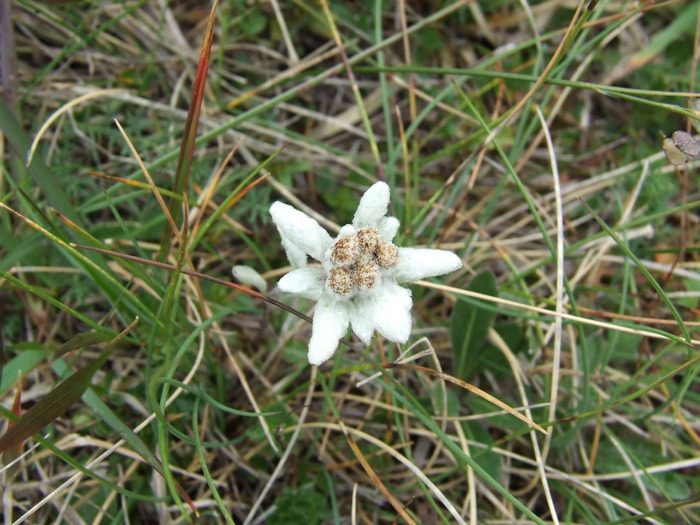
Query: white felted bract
x=296, y=256
x=419, y=263
x=373, y=206
x=388, y=226
x=247, y=275
x=300, y=230
x=308, y=282
x=391, y=311
x=361, y=268
x=361, y=319
x=330, y=324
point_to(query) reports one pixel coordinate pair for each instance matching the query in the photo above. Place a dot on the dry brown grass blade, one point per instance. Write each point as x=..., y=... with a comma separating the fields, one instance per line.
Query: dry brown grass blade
x=89, y=96
x=246, y=190
x=576, y=318
x=542, y=78
x=467, y=386
x=130, y=182
x=167, y=211
x=354, y=86
x=206, y=195
x=376, y=479
x=184, y=161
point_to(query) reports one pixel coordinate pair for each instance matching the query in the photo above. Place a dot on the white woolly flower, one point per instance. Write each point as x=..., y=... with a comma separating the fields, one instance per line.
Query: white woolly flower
x=358, y=283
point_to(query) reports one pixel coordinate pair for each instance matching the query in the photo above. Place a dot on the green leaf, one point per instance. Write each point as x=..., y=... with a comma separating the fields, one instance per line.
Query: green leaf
x=81, y=340
x=256, y=21
x=300, y=506
x=470, y=324
x=627, y=346
x=445, y=400
x=489, y=460
x=671, y=485
x=39, y=171
x=29, y=355
x=53, y=405
x=491, y=358
x=60, y=399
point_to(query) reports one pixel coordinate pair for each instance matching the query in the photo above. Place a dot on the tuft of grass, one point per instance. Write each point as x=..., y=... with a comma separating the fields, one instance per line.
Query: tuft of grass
x=552, y=380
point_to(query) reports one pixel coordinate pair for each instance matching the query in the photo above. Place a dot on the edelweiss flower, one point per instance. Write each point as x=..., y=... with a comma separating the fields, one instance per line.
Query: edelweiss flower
x=358, y=283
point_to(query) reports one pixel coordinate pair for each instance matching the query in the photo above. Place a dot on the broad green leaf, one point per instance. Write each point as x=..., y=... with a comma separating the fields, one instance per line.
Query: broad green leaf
x=470, y=324
x=491, y=358
x=445, y=400
x=670, y=484
x=53, y=405
x=489, y=460
x=304, y=504
x=60, y=399
x=627, y=346
x=256, y=21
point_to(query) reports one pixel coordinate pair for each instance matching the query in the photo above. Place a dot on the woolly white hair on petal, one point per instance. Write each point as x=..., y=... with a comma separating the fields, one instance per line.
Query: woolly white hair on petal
x=388, y=226
x=307, y=282
x=392, y=312
x=330, y=324
x=301, y=230
x=419, y=263
x=362, y=319
x=249, y=276
x=373, y=205
x=296, y=256
x=358, y=282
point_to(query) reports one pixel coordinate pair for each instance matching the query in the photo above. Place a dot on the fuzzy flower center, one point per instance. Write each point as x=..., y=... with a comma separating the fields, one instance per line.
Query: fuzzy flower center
x=357, y=261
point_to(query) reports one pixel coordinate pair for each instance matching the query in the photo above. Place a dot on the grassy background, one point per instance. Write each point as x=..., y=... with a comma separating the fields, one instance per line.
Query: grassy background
x=523, y=136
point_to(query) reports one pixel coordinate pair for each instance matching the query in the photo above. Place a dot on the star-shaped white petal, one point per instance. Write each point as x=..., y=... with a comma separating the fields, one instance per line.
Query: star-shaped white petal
x=301, y=231
x=358, y=282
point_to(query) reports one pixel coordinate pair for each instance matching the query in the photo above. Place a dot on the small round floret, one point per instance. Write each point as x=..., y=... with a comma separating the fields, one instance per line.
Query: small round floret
x=345, y=251
x=366, y=275
x=340, y=280
x=368, y=239
x=387, y=255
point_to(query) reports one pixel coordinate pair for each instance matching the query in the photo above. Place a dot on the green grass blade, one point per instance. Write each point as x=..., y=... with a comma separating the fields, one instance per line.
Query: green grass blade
x=650, y=278
x=40, y=173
